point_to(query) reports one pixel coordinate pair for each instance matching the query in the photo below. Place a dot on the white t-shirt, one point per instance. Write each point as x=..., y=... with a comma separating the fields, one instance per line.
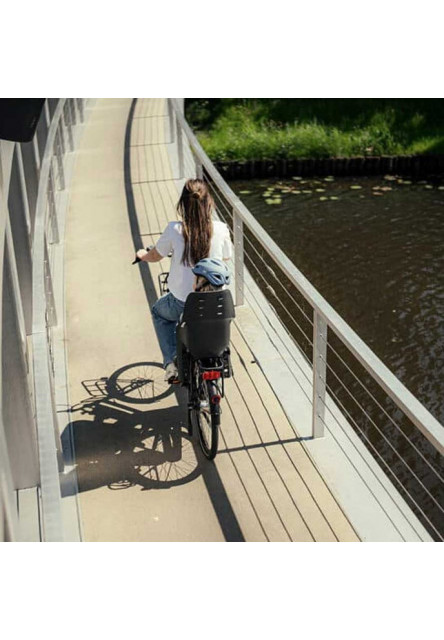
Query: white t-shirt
x=181, y=278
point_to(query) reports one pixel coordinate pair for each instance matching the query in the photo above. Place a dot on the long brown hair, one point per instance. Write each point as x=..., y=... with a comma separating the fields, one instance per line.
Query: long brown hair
x=194, y=207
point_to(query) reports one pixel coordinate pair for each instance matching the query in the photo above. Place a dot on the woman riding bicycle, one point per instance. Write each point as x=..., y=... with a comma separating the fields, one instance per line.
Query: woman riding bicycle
x=195, y=237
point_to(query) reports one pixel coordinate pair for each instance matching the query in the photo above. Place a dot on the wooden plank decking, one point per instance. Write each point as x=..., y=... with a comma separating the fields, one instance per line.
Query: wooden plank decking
x=141, y=478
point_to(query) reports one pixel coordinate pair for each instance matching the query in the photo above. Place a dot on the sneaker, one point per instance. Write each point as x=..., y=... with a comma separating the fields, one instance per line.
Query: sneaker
x=171, y=373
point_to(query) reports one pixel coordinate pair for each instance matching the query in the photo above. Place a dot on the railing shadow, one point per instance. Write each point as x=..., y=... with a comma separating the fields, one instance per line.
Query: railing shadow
x=122, y=440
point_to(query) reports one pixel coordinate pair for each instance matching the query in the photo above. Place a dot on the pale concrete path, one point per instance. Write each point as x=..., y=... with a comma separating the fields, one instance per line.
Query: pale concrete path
x=141, y=478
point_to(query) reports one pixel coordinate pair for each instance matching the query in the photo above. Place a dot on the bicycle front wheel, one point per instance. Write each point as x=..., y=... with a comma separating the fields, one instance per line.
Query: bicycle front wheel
x=207, y=419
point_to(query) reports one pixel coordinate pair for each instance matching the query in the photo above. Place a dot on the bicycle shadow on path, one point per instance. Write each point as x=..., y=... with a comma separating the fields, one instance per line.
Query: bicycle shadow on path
x=122, y=440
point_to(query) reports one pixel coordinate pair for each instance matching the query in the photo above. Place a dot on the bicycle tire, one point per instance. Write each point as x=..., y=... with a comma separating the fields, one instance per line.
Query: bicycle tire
x=207, y=419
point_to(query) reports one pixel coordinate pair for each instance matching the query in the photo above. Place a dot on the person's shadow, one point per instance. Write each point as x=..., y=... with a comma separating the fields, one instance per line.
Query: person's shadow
x=123, y=441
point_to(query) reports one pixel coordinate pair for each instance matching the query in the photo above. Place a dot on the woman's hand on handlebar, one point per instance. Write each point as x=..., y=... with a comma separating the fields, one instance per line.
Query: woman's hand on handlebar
x=142, y=253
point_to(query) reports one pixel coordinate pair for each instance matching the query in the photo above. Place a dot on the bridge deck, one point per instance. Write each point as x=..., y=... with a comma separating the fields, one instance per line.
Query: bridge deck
x=140, y=477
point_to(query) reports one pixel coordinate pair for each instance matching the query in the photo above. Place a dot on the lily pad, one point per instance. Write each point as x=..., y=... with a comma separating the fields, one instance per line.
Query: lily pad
x=245, y=192
x=296, y=178
x=428, y=186
x=273, y=200
x=329, y=179
x=389, y=177
x=386, y=189
x=323, y=198
x=441, y=188
x=296, y=192
x=334, y=198
x=355, y=186
x=306, y=191
x=320, y=190
x=377, y=193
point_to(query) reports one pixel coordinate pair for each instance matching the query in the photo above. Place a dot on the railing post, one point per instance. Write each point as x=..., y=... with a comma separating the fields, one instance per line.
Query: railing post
x=171, y=119
x=319, y=373
x=52, y=208
x=238, y=233
x=23, y=188
x=68, y=123
x=72, y=107
x=179, y=147
x=35, y=147
x=47, y=114
x=79, y=102
x=59, y=156
x=199, y=169
x=49, y=291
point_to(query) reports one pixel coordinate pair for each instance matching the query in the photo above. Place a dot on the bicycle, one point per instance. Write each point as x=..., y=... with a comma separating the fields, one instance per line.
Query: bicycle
x=203, y=362
x=203, y=359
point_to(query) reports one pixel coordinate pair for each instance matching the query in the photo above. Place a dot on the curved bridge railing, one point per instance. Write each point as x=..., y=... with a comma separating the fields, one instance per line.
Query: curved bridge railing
x=383, y=412
x=33, y=183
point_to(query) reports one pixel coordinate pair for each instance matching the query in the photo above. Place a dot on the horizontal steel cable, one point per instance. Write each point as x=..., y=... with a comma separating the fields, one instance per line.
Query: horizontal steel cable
x=230, y=213
x=278, y=281
x=270, y=288
x=309, y=379
x=268, y=267
x=288, y=333
x=225, y=221
x=383, y=461
x=383, y=436
x=387, y=414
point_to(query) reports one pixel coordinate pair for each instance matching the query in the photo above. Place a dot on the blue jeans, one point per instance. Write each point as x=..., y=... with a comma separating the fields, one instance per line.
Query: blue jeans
x=166, y=314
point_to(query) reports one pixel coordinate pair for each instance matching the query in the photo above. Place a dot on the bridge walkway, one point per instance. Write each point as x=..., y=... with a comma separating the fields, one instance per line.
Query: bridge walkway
x=139, y=476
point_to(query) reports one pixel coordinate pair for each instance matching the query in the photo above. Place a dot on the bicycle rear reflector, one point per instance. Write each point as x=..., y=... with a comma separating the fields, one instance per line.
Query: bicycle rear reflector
x=210, y=375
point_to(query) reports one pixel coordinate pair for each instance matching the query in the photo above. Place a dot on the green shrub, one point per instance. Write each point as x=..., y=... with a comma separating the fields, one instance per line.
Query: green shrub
x=247, y=129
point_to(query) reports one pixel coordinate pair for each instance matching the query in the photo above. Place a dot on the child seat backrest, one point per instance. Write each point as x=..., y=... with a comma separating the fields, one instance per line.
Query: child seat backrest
x=207, y=316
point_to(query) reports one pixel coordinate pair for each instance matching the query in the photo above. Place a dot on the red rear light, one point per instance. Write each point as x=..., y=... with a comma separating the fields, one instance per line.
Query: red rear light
x=210, y=375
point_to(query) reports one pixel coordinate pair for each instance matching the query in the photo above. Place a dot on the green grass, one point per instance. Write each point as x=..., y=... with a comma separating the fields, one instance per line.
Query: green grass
x=254, y=129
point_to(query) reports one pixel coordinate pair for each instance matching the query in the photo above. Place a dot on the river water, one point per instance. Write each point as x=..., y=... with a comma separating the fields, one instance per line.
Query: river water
x=373, y=247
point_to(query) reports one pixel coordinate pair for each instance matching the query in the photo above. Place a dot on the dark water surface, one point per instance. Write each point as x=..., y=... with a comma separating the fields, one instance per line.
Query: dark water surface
x=376, y=254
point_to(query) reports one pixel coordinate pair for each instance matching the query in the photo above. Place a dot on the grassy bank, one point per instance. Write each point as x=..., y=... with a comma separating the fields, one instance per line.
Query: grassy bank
x=261, y=128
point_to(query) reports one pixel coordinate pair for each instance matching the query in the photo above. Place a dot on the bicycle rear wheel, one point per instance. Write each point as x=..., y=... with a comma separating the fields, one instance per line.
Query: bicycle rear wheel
x=206, y=418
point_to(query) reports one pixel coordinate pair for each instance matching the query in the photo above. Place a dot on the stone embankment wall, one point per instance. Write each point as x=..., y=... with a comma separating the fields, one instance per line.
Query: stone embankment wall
x=414, y=166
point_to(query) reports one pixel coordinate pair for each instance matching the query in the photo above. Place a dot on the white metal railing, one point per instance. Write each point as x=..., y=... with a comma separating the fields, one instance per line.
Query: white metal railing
x=325, y=318
x=40, y=170
x=46, y=234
